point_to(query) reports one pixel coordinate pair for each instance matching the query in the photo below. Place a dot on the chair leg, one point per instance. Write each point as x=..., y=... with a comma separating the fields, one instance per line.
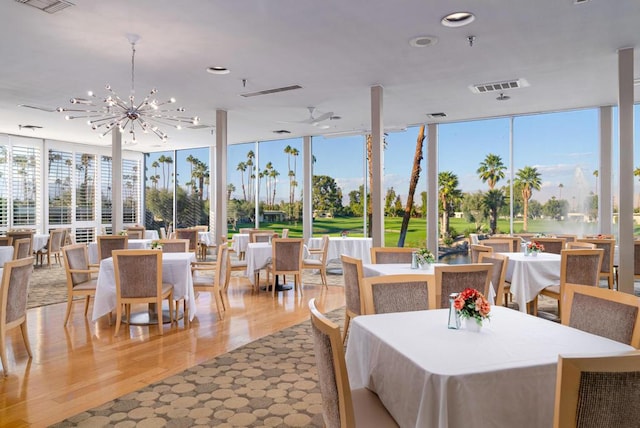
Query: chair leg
x=69, y=305
x=347, y=322
x=219, y=303
x=86, y=305
x=25, y=337
x=323, y=276
x=159, y=310
x=298, y=279
x=3, y=351
x=118, y=319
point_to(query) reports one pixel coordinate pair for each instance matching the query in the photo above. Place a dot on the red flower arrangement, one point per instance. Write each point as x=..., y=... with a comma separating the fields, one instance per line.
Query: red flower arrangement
x=472, y=304
x=535, y=246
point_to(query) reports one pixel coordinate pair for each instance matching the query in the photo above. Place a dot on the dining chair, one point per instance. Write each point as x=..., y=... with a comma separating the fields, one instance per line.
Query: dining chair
x=609, y=247
x=476, y=249
x=397, y=293
x=580, y=246
x=214, y=284
x=286, y=259
x=352, y=274
x=285, y=233
x=135, y=232
x=576, y=267
x=163, y=233
x=190, y=234
x=139, y=280
x=516, y=242
x=108, y=243
x=174, y=245
x=597, y=391
x=6, y=241
x=21, y=234
x=499, y=245
x=498, y=274
x=567, y=237
x=80, y=279
x=261, y=236
x=53, y=248
x=14, y=288
x=391, y=255
x=342, y=407
x=603, y=312
x=319, y=263
x=525, y=236
x=21, y=248
x=455, y=278
x=201, y=228
x=551, y=245
x=246, y=230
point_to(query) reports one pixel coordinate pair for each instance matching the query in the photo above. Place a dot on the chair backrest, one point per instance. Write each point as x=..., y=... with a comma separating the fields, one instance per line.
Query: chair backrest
x=608, y=245
x=261, y=236
x=14, y=288
x=286, y=255
x=607, y=313
x=498, y=273
x=138, y=273
x=380, y=255
x=55, y=240
x=76, y=257
x=190, y=234
x=135, y=232
x=6, y=241
x=325, y=249
x=163, y=232
x=455, y=278
x=516, y=242
x=352, y=274
x=636, y=259
x=551, y=245
x=337, y=406
x=567, y=238
x=477, y=249
x=20, y=234
x=397, y=293
x=201, y=228
x=499, y=245
x=580, y=246
x=108, y=243
x=581, y=266
x=596, y=392
x=174, y=245
x=285, y=233
x=246, y=230
x=222, y=266
x=525, y=236
x=21, y=248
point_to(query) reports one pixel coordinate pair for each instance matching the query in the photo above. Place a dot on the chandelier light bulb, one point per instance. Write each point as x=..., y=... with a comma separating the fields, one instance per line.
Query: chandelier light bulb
x=90, y=93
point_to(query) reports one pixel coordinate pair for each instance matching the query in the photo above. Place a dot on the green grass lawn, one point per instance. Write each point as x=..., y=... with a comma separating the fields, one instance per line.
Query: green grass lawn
x=416, y=234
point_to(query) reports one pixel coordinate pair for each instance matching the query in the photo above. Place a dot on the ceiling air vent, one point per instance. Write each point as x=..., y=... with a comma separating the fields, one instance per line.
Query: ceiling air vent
x=200, y=126
x=281, y=131
x=439, y=115
x=483, y=88
x=49, y=6
x=271, y=91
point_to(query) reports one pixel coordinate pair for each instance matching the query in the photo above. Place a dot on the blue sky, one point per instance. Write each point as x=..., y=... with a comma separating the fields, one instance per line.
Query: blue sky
x=562, y=146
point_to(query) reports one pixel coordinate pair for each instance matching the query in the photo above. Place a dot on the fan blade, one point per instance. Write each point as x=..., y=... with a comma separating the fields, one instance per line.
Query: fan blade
x=321, y=118
x=47, y=109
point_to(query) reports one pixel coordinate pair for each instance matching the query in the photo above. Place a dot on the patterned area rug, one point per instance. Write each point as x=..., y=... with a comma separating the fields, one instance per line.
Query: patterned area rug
x=270, y=382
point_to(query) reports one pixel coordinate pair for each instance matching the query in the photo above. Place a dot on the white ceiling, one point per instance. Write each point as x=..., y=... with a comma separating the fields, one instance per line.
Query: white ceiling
x=335, y=49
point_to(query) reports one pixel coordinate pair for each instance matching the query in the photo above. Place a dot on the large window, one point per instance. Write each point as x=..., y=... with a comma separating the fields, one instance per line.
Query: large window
x=60, y=187
x=130, y=191
x=106, y=195
x=85, y=186
x=25, y=188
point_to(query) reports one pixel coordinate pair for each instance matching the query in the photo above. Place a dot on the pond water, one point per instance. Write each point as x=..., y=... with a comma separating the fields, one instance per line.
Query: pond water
x=455, y=259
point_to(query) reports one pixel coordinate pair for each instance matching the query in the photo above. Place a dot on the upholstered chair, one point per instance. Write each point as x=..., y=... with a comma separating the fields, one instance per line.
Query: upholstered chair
x=383, y=255
x=397, y=293
x=455, y=278
x=476, y=249
x=319, y=263
x=81, y=279
x=174, y=245
x=286, y=259
x=498, y=273
x=211, y=277
x=352, y=274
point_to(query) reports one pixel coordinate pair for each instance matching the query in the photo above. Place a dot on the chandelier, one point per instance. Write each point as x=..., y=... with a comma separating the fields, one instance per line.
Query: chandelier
x=105, y=114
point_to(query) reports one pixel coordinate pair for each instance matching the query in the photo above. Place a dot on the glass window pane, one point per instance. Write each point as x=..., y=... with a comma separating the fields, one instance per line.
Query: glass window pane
x=60, y=187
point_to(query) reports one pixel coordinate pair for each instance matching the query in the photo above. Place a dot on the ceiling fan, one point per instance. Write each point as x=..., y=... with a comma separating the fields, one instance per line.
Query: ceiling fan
x=47, y=109
x=315, y=120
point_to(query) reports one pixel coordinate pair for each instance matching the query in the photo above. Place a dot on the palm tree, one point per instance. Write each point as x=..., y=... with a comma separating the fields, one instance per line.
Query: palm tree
x=528, y=179
x=230, y=189
x=595, y=174
x=491, y=170
x=413, y=183
x=242, y=167
x=560, y=186
x=448, y=194
x=492, y=201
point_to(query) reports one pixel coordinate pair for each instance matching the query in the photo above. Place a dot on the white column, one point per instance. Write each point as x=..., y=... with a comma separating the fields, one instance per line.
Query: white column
x=604, y=180
x=511, y=174
x=377, y=158
x=116, y=180
x=256, y=184
x=307, y=188
x=432, y=188
x=625, y=125
x=220, y=214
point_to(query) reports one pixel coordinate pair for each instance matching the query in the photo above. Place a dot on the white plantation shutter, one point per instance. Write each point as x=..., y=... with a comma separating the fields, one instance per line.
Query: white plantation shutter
x=60, y=180
x=85, y=186
x=106, y=195
x=4, y=188
x=25, y=187
x=131, y=191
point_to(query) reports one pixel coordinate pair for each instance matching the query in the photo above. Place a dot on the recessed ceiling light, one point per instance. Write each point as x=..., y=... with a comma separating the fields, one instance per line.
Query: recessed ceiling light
x=423, y=41
x=281, y=131
x=458, y=19
x=503, y=97
x=218, y=70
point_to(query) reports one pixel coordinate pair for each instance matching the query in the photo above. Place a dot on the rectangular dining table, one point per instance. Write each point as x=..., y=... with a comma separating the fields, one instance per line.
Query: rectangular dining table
x=529, y=274
x=6, y=254
x=427, y=375
x=176, y=270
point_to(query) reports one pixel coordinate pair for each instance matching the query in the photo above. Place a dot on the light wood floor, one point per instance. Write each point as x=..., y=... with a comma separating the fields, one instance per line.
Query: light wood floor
x=81, y=366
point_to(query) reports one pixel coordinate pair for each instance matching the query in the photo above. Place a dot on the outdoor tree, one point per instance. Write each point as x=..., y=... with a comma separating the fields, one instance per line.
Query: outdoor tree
x=356, y=202
x=473, y=208
x=536, y=209
x=449, y=195
x=555, y=208
x=397, y=206
x=326, y=196
x=413, y=183
x=389, y=199
x=493, y=200
x=230, y=189
x=242, y=167
x=491, y=170
x=529, y=180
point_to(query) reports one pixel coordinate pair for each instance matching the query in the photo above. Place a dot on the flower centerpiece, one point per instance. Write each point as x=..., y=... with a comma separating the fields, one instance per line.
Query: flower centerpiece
x=156, y=245
x=424, y=257
x=472, y=305
x=344, y=233
x=123, y=233
x=534, y=248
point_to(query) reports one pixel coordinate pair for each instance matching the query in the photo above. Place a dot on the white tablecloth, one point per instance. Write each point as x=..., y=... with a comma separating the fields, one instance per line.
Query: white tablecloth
x=6, y=254
x=359, y=248
x=239, y=242
x=528, y=275
x=258, y=255
x=207, y=239
x=176, y=270
x=132, y=244
x=40, y=241
x=151, y=234
x=429, y=376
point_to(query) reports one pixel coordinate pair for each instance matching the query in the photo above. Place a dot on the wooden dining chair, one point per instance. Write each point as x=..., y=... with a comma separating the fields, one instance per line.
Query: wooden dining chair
x=597, y=391
x=22, y=248
x=603, y=312
x=174, y=245
x=211, y=277
x=81, y=281
x=191, y=235
x=108, y=243
x=498, y=273
x=261, y=236
x=391, y=255
x=6, y=241
x=455, y=278
x=53, y=248
x=580, y=246
x=352, y=274
x=341, y=406
x=319, y=263
x=567, y=237
x=499, y=245
x=576, y=267
x=476, y=249
x=609, y=247
x=135, y=232
x=14, y=288
x=21, y=234
x=138, y=276
x=286, y=259
x=397, y=293
x=551, y=245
